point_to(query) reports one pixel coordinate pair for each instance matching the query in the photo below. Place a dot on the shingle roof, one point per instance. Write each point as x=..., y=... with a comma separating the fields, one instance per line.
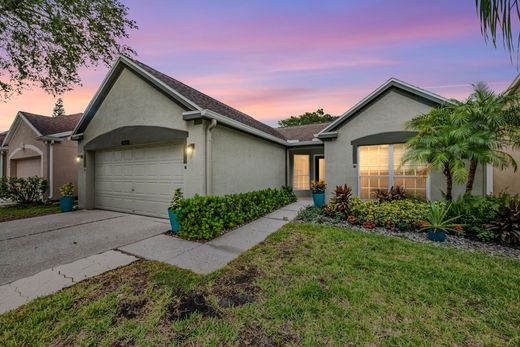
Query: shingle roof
x=302, y=132
x=52, y=125
x=207, y=102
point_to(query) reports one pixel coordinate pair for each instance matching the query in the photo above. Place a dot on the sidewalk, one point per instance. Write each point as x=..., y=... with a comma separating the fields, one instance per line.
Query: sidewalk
x=52, y=280
x=210, y=256
x=197, y=257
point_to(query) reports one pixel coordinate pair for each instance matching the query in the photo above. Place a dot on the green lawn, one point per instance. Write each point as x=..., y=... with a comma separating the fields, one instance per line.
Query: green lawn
x=306, y=285
x=25, y=211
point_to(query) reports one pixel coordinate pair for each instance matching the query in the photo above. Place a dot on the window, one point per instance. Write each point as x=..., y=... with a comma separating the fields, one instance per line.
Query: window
x=380, y=168
x=301, y=173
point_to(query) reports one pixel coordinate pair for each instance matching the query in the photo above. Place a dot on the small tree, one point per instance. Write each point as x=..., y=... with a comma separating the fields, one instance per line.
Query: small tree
x=438, y=145
x=307, y=118
x=58, y=110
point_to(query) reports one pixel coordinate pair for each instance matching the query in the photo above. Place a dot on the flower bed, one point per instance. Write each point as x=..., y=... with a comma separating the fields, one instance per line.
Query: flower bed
x=492, y=219
x=206, y=217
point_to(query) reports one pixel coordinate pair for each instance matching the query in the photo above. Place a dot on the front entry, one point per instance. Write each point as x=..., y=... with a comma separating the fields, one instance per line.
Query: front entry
x=138, y=179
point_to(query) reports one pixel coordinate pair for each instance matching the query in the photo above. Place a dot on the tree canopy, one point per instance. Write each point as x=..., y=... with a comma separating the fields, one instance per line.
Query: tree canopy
x=46, y=42
x=319, y=116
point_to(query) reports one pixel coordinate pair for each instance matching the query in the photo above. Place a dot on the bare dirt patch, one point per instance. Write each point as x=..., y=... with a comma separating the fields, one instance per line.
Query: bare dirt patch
x=130, y=309
x=193, y=302
x=237, y=287
x=253, y=335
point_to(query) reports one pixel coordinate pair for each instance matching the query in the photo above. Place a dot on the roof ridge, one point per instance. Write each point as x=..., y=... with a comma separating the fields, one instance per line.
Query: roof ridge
x=304, y=125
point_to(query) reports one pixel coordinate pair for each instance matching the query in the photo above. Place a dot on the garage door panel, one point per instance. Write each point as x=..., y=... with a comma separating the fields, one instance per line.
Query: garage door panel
x=28, y=167
x=138, y=180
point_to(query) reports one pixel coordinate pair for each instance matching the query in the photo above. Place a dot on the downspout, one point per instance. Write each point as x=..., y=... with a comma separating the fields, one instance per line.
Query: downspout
x=209, y=154
x=2, y=162
x=50, y=169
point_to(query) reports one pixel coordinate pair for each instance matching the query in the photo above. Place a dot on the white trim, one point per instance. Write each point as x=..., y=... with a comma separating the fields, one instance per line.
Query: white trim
x=489, y=179
x=235, y=124
x=23, y=147
x=16, y=124
x=62, y=134
x=392, y=82
x=128, y=62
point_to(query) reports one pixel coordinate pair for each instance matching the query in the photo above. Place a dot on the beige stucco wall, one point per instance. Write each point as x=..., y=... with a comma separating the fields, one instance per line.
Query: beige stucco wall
x=389, y=113
x=24, y=135
x=242, y=162
x=65, y=166
x=507, y=180
x=133, y=102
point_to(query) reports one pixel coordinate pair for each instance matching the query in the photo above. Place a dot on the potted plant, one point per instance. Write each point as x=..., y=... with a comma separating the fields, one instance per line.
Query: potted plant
x=175, y=209
x=318, y=192
x=437, y=222
x=67, y=197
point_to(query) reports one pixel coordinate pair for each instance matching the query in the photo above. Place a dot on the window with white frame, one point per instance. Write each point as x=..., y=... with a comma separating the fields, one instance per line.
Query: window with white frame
x=380, y=168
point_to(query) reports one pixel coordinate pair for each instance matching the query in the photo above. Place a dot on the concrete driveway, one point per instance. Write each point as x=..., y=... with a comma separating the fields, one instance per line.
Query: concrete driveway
x=28, y=246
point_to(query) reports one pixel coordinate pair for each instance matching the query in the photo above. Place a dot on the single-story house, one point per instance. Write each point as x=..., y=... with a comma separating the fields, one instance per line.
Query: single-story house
x=37, y=145
x=145, y=133
x=508, y=180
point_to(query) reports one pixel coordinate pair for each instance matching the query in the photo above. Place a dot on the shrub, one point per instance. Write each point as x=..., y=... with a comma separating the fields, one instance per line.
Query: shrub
x=394, y=193
x=474, y=213
x=506, y=225
x=206, y=217
x=23, y=190
x=340, y=202
x=402, y=214
x=67, y=189
x=310, y=214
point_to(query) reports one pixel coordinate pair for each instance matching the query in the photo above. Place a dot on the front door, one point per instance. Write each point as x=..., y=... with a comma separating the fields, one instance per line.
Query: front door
x=319, y=167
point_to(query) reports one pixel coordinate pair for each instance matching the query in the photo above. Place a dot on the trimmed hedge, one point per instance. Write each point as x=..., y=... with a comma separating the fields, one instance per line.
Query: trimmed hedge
x=206, y=217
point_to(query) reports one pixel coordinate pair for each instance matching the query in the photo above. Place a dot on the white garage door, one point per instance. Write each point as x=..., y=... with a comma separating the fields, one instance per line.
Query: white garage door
x=28, y=167
x=138, y=180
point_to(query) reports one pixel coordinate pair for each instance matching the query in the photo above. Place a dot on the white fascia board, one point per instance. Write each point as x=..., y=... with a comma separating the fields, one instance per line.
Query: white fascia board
x=391, y=82
x=19, y=118
x=305, y=143
x=62, y=134
x=109, y=76
x=241, y=126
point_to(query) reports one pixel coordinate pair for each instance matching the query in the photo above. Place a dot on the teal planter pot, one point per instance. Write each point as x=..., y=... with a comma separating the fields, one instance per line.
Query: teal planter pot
x=319, y=199
x=437, y=236
x=174, y=220
x=66, y=203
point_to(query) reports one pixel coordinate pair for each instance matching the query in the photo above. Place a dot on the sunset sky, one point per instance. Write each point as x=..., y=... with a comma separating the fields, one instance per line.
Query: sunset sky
x=273, y=59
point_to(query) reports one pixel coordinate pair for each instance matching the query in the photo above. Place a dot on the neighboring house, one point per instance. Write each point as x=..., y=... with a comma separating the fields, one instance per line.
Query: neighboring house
x=145, y=133
x=40, y=146
x=508, y=180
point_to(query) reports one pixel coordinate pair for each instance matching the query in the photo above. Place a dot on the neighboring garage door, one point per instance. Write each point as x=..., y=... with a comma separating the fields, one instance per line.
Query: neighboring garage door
x=138, y=180
x=28, y=167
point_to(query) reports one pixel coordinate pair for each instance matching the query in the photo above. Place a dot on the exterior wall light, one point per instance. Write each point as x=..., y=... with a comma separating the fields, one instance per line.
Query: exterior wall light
x=79, y=157
x=190, y=149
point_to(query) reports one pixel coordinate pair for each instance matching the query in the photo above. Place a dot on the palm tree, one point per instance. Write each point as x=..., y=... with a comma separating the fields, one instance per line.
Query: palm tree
x=437, y=144
x=487, y=124
x=497, y=18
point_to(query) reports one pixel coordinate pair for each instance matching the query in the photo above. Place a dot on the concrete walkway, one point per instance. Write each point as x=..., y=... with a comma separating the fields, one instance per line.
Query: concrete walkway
x=54, y=279
x=210, y=256
x=197, y=257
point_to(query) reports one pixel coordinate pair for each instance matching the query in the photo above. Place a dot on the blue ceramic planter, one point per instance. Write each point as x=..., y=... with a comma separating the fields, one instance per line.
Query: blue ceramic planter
x=319, y=199
x=66, y=203
x=174, y=220
x=437, y=236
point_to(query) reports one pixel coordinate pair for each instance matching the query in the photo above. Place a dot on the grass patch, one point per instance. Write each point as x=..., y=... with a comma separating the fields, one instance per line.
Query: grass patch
x=305, y=285
x=8, y=213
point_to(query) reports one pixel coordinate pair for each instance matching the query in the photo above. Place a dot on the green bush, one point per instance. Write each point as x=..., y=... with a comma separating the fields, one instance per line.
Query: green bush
x=474, y=213
x=402, y=214
x=23, y=190
x=206, y=217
